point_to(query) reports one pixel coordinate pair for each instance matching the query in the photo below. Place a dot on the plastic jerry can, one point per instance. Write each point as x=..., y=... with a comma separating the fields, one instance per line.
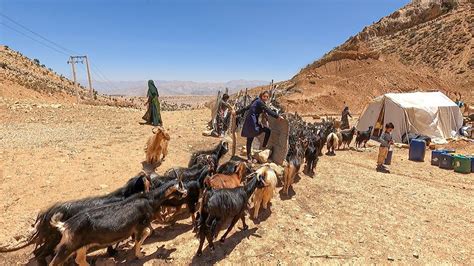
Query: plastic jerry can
x=417, y=150
x=388, y=160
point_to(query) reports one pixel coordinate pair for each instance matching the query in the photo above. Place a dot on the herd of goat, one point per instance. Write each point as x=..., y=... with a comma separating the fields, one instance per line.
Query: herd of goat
x=213, y=193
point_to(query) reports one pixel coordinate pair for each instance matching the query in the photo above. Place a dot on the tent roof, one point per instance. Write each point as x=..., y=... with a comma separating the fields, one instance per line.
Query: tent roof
x=418, y=99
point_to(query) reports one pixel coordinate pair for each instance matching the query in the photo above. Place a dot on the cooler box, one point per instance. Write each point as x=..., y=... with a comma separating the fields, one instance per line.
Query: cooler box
x=472, y=163
x=446, y=161
x=435, y=155
x=417, y=150
x=462, y=164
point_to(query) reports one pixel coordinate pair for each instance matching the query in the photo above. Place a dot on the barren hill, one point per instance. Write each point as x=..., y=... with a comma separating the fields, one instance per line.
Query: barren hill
x=23, y=78
x=426, y=45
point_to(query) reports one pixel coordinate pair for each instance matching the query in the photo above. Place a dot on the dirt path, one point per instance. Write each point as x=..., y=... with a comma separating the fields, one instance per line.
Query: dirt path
x=347, y=213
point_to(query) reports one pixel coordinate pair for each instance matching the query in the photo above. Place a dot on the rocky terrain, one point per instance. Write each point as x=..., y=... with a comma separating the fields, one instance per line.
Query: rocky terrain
x=347, y=213
x=426, y=45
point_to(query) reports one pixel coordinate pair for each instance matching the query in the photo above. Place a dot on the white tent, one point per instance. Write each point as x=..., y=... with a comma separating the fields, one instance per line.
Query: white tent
x=428, y=113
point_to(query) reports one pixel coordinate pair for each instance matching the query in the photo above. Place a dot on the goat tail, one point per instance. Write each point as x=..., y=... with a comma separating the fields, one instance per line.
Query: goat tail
x=56, y=222
x=30, y=239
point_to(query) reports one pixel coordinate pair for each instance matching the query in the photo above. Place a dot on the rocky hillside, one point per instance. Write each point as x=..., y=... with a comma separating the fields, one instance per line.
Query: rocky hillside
x=25, y=78
x=426, y=45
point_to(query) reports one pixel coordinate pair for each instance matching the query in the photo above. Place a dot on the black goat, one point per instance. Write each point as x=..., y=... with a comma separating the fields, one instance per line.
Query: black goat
x=110, y=223
x=46, y=238
x=347, y=136
x=311, y=157
x=228, y=167
x=191, y=173
x=193, y=188
x=221, y=204
x=322, y=136
x=363, y=137
x=295, y=158
x=216, y=154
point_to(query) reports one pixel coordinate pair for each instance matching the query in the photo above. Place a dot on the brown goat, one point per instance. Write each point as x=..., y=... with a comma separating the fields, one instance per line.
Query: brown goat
x=157, y=145
x=227, y=181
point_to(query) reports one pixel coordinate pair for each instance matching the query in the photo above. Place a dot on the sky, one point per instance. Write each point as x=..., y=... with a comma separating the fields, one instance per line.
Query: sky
x=198, y=40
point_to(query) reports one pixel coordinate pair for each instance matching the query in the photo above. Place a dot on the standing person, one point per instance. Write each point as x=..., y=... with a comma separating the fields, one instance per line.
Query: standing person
x=222, y=118
x=345, y=118
x=252, y=126
x=153, y=113
x=385, y=142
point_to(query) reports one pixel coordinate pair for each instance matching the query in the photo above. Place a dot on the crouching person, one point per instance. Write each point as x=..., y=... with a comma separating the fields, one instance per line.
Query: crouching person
x=385, y=142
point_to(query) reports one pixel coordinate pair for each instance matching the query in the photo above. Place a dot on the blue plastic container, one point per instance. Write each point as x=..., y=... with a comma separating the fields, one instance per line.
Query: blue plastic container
x=472, y=163
x=417, y=150
x=435, y=156
x=446, y=161
x=436, y=153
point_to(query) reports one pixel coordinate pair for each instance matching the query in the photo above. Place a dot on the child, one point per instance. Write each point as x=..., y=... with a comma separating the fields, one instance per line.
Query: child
x=385, y=142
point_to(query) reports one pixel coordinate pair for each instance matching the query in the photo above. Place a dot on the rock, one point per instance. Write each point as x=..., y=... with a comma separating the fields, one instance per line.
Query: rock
x=390, y=258
x=415, y=255
x=103, y=186
x=56, y=105
x=262, y=156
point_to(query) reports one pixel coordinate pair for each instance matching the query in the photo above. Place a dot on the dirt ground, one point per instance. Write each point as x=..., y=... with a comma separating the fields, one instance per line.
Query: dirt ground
x=347, y=213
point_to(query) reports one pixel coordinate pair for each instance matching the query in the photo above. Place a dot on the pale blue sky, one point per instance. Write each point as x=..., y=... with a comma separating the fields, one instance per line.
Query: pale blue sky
x=200, y=40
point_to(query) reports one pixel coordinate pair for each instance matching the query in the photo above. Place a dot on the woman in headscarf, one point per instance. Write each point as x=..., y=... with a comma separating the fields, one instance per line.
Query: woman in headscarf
x=153, y=115
x=345, y=118
x=252, y=126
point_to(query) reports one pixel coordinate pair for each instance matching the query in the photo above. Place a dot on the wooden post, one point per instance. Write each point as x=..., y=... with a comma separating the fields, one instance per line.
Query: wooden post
x=245, y=99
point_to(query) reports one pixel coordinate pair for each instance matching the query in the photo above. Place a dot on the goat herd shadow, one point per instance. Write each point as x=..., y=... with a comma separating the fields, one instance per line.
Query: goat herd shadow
x=169, y=232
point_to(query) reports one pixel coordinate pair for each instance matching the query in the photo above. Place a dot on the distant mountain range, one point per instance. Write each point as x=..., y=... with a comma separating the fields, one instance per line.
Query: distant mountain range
x=173, y=87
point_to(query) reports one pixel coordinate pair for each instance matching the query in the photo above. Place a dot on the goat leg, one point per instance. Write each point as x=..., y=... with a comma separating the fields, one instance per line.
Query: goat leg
x=81, y=255
x=210, y=240
x=202, y=237
x=139, y=241
x=234, y=221
x=245, y=226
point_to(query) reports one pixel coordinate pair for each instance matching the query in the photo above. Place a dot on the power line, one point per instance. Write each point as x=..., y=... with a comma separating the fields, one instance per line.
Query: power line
x=39, y=35
x=38, y=41
x=53, y=46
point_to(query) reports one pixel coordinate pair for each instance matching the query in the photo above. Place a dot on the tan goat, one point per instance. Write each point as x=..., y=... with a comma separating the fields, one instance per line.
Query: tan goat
x=264, y=195
x=157, y=145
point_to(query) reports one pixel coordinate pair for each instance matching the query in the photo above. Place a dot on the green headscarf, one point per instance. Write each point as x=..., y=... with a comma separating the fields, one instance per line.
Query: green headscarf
x=152, y=90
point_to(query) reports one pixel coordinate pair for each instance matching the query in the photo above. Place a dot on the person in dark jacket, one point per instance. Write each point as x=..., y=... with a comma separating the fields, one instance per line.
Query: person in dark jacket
x=252, y=127
x=345, y=118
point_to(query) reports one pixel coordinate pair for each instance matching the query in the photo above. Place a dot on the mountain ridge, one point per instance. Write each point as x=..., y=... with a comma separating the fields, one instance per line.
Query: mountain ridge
x=425, y=45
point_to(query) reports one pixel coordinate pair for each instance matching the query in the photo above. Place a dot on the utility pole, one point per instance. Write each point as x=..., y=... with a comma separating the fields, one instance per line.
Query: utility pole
x=80, y=59
x=71, y=61
x=88, y=74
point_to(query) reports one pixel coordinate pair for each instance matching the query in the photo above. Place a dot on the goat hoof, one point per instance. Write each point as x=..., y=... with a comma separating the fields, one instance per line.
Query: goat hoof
x=199, y=253
x=245, y=227
x=222, y=240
